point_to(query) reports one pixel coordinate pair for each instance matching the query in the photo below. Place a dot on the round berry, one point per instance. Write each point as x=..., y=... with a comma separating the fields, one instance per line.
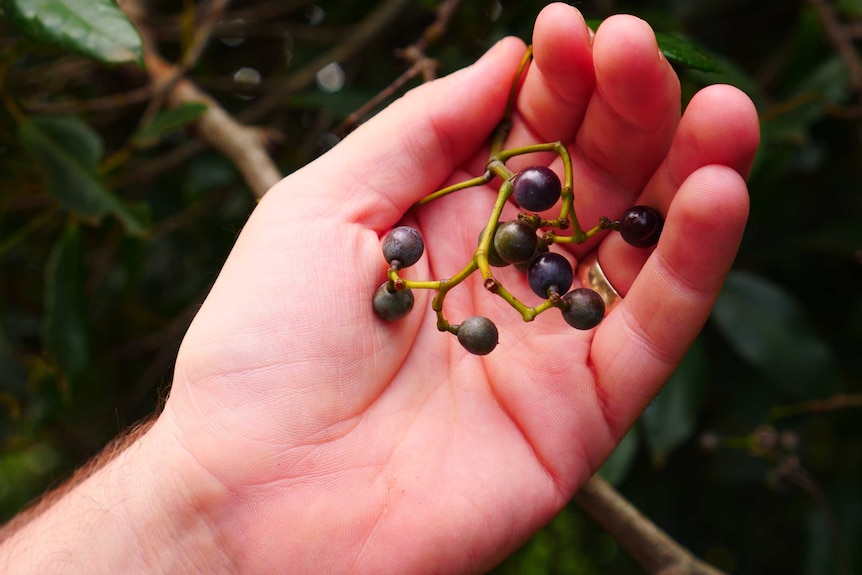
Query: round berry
x=641, y=226
x=583, y=308
x=403, y=245
x=478, y=335
x=391, y=304
x=515, y=241
x=541, y=248
x=493, y=257
x=536, y=188
x=549, y=270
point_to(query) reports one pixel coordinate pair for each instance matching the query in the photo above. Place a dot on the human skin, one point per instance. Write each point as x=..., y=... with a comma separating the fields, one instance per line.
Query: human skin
x=303, y=434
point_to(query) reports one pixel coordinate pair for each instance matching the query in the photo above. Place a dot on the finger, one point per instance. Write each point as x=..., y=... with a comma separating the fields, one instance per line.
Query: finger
x=408, y=150
x=637, y=347
x=629, y=122
x=635, y=109
x=719, y=127
x=559, y=82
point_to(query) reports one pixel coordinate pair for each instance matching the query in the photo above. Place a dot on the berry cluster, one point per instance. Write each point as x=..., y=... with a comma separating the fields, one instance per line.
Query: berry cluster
x=523, y=243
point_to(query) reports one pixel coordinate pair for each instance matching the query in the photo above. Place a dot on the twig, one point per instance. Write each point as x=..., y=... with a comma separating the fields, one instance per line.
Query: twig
x=353, y=43
x=213, y=12
x=435, y=31
x=651, y=547
x=372, y=104
x=200, y=38
x=98, y=104
x=245, y=146
x=841, y=37
x=840, y=401
x=367, y=30
x=269, y=29
x=791, y=471
x=421, y=64
x=262, y=12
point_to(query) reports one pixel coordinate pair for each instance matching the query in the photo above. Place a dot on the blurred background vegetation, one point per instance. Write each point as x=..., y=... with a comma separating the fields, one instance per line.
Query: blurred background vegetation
x=115, y=219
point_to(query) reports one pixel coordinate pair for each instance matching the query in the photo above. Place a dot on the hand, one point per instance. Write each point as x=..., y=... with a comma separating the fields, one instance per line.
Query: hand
x=334, y=442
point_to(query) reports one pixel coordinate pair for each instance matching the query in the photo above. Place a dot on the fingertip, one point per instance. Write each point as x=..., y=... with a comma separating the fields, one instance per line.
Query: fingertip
x=502, y=49
x=727, y=111
x=561, y=44
x=559, y=82
x=632, y=74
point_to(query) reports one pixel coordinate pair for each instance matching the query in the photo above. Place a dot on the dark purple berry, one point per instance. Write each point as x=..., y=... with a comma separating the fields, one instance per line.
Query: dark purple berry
x=550, y=270
x=536, y=188
x=541, y=248
x=515, y=241
x=641, y=226
x=583, y=308
x=392, y=305
x=404, y=245
x=478, y=335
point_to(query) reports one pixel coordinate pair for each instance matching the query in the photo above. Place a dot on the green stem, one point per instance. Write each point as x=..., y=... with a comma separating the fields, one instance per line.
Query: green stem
x=498, y=138
x=554, y=238
x=527, y=313
x=477, y=181
x=480, y=257
x=516, y=84
x=443, y=289
x=496, y=167
x=567, y=216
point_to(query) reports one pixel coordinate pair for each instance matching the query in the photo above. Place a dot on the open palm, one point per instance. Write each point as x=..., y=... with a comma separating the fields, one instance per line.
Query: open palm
x=345, y=444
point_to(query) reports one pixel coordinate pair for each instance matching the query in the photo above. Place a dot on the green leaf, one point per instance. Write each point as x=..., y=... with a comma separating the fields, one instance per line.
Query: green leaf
x=616, y=468
x=671, y=418
x=95, y=28
x=206, y=172
x=67, y=152
x=767, y=327
x=167, y=121
x=686, y=53
x=64, y=329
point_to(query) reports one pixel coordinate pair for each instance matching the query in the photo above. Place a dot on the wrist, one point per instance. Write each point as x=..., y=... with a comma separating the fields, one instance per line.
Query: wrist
x=144, y=511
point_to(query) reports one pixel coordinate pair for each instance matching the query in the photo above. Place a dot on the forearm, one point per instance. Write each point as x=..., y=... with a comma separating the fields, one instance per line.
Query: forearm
x=136, y=508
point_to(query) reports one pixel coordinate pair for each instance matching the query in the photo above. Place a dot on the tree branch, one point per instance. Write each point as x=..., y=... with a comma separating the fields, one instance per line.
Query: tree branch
x=376, y=22
x=244, y=145
x=651, y=547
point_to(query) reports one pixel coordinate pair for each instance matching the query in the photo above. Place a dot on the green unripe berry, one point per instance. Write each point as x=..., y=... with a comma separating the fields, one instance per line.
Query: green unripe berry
x=494, y=258
x=515, y=241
